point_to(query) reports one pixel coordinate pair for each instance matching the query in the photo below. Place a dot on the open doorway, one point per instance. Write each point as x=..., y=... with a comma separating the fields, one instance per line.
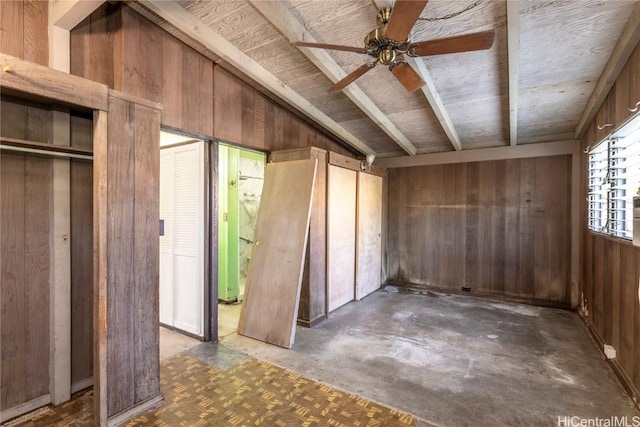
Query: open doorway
x=183, y=239
x=240, y=178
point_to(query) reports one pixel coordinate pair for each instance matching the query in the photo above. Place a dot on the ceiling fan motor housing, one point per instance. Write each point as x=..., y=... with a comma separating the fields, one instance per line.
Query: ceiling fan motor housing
x=376, y=42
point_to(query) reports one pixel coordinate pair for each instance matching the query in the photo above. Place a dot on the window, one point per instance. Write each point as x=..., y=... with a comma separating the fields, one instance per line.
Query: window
x=614, y=178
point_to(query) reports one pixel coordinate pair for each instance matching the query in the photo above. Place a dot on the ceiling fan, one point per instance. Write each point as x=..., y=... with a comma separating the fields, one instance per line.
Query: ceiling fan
x=390, y=42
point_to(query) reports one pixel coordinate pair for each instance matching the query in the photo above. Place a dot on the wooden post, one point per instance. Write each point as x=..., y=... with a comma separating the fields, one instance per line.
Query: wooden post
x=60, y=278
x=100, y=267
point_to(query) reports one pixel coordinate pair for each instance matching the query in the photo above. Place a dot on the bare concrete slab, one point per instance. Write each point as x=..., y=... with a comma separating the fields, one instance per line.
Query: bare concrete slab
x=455, y=360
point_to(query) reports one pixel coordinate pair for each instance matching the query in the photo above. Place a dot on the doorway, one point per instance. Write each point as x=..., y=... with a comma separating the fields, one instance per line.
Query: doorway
x=183, y=231
x=240, y=178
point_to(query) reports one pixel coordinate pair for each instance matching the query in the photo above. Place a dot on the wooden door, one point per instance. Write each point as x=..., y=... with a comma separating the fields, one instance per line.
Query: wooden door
x=369, y=240
x=341, y=236
x=270, y=307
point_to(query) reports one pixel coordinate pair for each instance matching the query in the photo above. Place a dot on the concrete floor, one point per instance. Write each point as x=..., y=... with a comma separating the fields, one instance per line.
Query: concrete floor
x=454, y=360
x=228, y=315
x=173, y=342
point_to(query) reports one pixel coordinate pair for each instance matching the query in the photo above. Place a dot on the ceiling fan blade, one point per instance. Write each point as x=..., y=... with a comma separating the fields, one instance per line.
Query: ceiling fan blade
x=406, y=75
x=404, y=15
x=466, y=43
x=351, y=77
x=330, y=46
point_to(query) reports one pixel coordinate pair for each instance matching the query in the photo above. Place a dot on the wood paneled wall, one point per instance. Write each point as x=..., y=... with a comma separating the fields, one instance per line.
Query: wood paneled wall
x=25, y=203
x=25, y=120
x=131, y=212
x=24, y=26
x=498, y=227
x=81, y=196
x=125, y=51
x=244, y=116
x=611, y=267
x=118, y=47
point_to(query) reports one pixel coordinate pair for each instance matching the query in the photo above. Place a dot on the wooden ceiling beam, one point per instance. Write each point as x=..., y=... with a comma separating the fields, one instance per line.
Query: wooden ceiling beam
x=290, y=27
x=429, y=91
x=621, y=52
x=67, y=14
x=184, y=21
x=513, y=44
x=542, y=149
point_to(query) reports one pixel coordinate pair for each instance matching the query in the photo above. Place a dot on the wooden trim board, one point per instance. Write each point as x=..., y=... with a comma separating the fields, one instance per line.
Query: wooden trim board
x=270, y=307
x=543, y=149
x=24, y=408
x=26, y=78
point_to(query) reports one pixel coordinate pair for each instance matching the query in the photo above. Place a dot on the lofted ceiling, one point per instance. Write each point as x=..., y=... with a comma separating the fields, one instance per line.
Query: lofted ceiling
x=542, y=79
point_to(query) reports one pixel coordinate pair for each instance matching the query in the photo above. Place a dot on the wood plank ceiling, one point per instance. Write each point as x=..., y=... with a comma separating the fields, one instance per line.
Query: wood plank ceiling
x=559, y=49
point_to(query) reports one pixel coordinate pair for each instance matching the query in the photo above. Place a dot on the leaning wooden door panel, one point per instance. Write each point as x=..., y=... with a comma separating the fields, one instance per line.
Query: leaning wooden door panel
x=369, y=242
x=270, y=307
x=341, y=236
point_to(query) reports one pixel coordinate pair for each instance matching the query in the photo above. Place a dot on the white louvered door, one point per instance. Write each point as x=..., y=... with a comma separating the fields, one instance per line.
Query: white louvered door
x=182, y=205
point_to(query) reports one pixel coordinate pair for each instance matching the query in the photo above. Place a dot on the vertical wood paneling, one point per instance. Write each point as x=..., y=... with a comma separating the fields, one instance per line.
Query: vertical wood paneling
x=37, y=181
x=615, y=295
x=512, y=227
x=25, y=120
x=627, y=305
x=634, y=78
x=612, y=297
x=99, y=49
x=12, y=23
x=129, y=55
x=13, y=120
x=78, y=45
x=636, y=342
x=598, y=289
x=36, y=19
x=132, y=161
x=81, y=270
x=244, y=116
x=120, y=238
x=499, y=227
x=189, y=93
x=12, y=351
x=25, y=204
x=118, y=47
x=24, y=29
x=146, y=253
x=527, y=232
x=172, y=81
x=205, y=96
x=81, y=130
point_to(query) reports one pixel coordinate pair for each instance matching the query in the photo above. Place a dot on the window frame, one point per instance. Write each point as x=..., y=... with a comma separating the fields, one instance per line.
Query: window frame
x=613, y=177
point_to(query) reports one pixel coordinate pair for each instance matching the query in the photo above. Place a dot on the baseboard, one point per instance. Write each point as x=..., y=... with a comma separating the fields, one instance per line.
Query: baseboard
x=622, y=375
x=23, y=408
x=485, y=295
x=311, y=323
x=116, y=420
x=81, y=385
